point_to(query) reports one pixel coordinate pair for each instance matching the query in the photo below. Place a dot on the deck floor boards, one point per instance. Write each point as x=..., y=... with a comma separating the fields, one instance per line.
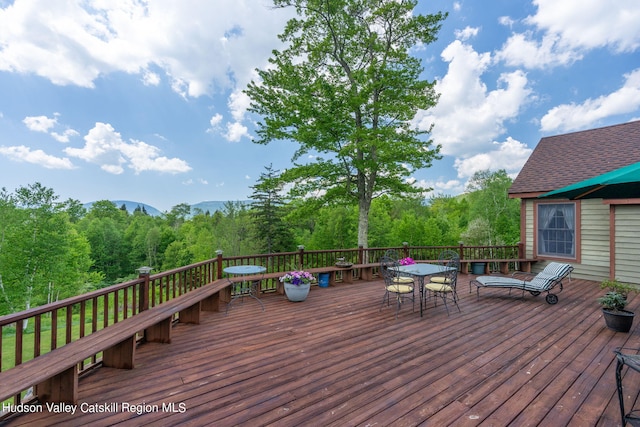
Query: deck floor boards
x=338, y=360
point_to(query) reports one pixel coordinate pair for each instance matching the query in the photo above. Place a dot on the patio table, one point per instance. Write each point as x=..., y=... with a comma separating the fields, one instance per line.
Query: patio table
x=420, y=271
x=245, y=287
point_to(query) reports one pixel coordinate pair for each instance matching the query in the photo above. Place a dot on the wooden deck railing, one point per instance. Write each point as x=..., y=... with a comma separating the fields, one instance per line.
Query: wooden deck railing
x=34, y=332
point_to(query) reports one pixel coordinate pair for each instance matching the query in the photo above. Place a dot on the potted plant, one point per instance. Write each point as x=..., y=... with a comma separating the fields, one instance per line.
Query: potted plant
x=613, y=304
x=297, y=284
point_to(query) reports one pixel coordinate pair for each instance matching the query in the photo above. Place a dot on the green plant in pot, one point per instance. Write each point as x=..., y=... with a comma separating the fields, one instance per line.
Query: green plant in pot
x=613, y=304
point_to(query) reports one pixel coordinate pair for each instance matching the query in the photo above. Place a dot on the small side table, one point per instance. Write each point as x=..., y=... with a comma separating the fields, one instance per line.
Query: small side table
x=245, y=287
x=633, y=362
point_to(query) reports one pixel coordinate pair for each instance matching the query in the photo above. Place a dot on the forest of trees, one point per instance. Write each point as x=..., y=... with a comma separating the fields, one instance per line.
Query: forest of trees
x=50, y=250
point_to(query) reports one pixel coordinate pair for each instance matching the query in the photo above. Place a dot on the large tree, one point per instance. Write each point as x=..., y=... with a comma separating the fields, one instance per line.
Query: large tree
x=346, y=88
x=267, y=210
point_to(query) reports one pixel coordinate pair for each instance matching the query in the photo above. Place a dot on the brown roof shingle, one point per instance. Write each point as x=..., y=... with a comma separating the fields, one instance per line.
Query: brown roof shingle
x=562, y=160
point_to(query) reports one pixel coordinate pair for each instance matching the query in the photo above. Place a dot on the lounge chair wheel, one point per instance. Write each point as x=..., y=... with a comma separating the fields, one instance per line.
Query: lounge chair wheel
x=535, y=293
x=552, y=298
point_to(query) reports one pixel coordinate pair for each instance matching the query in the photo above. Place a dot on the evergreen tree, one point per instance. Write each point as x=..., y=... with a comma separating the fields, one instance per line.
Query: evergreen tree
x=267, y=211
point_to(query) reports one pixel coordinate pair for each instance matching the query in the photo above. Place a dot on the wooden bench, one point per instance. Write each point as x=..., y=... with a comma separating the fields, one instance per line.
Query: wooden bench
x=524, y=264
x=365, y=272
x=55, y=374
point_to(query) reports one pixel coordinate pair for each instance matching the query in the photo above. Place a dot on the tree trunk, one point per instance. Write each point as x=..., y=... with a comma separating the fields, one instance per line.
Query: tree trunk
x=363, y=223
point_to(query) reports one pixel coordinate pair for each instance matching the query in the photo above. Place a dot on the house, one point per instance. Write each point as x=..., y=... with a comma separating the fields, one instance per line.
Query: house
x=598, y=236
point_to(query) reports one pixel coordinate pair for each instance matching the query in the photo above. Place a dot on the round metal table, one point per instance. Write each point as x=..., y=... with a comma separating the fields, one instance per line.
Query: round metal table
x=243, y=288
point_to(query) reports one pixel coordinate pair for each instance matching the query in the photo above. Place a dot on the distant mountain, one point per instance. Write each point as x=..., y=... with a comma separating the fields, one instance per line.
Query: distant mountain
x=214, y=205
x=131, y=206
x=210, y=206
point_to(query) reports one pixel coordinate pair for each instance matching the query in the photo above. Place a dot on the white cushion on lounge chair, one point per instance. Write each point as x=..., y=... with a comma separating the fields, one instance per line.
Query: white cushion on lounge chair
x=500, y=282
x=552, y=275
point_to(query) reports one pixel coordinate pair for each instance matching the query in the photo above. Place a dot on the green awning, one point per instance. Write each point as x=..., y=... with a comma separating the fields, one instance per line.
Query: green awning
x=620, y=183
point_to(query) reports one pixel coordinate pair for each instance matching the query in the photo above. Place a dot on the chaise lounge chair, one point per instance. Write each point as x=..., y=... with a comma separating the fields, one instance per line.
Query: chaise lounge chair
x=544, y=281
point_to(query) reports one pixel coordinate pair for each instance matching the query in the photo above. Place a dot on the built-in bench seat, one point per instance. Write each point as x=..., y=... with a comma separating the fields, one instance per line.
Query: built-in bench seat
x=524, y=264
x=365, y=273
x=55, y=374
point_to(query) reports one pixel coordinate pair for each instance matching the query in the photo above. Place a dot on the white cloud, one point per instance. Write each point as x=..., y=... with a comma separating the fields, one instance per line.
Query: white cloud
x=238, y=104
x=439, y=186
x=46, y=124
x=235, y=131
x=590, y=24
x=467, y=33
x=570, y=28
x=195, y=43
x=523, y=50
x=64, y=136
x=215, y=121
x=469, y=116
x=570, y=117
x=150, y=79
x=37, y=157
x=104, y=146
x=506, y=21
x=509, y=155
x=40, y=123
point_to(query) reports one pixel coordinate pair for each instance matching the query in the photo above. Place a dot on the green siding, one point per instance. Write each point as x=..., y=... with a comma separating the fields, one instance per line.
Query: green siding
x=627, y=243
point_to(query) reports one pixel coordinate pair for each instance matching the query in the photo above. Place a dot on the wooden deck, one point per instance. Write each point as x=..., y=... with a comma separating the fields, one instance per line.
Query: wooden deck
x=337, y=360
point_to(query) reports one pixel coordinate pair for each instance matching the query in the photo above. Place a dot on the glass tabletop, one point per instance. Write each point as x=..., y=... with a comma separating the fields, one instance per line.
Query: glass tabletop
x=245, y=269
x=423, y=269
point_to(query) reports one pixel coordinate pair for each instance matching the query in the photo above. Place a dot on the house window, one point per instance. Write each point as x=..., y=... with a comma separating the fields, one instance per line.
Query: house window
x=557, y=229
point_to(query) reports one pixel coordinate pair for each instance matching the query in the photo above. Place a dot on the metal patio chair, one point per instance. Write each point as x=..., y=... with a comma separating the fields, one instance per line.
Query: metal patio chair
x=632, y=361
x=444, y=285
x=401, y=287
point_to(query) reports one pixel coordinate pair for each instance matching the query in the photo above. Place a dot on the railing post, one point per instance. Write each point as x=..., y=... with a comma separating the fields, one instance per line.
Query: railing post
x=461, y=250
x=301, y=256
x=405, y=249
x=219, y=263
x=521, y=254
x=143, y=303
x=360, y=254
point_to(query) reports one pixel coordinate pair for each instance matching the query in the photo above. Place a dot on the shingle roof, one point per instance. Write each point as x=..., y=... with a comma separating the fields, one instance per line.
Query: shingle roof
x=561, y=160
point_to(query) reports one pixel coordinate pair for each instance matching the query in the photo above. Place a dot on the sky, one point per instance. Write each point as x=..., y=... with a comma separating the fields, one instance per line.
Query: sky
x=143, y=100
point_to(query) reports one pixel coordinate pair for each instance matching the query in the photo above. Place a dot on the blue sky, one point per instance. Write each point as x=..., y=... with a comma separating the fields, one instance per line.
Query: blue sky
x=142, y=100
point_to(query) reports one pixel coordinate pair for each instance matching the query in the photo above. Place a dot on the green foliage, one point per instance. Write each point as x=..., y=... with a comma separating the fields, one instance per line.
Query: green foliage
x=42, y=256
x=613, y=301
x=333, y=228
x=271, y=231
x=617, y=286
x=346, y=89
x=490, y=206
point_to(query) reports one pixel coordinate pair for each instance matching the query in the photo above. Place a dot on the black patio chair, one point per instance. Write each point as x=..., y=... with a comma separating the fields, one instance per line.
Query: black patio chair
x=401, y=287
x=444, y=285
x=633, y=362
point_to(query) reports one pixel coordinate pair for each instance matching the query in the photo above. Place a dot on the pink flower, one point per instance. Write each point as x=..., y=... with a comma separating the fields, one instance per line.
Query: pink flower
x=297, y=277
x=406, y=261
